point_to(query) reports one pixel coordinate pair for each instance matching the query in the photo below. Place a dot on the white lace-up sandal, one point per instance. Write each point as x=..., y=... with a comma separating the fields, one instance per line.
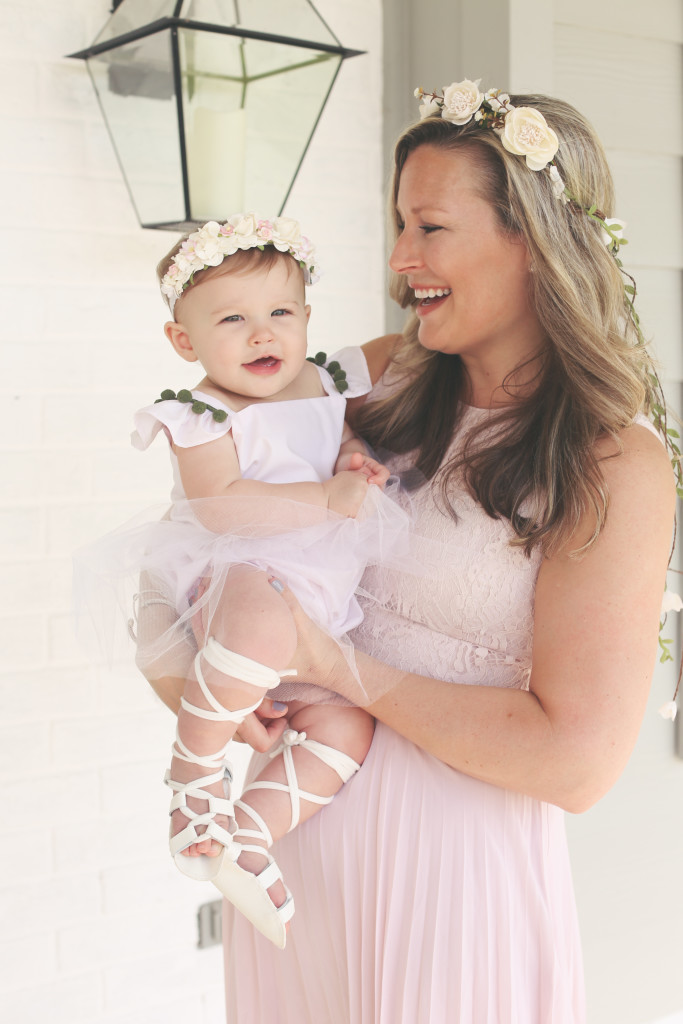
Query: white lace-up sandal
x=246, y=891
x=340, y=762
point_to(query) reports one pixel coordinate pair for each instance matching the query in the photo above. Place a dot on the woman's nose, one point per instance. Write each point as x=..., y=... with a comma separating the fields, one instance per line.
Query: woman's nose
x=404, y=257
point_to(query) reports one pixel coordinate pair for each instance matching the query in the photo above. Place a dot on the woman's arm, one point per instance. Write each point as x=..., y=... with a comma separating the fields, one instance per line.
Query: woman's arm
x=378, y=353
x=568, y=738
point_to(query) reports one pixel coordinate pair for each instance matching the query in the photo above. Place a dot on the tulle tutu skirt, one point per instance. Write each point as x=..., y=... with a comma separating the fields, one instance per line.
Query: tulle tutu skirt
x=149, y=582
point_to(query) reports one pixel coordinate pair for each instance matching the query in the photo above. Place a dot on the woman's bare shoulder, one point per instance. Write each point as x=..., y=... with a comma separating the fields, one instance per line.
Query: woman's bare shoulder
x=639, y=458
x=378, y=353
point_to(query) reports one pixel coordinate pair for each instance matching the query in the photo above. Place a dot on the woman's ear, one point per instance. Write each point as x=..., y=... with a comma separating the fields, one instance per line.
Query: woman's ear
x=180, y=340
x=307, y=311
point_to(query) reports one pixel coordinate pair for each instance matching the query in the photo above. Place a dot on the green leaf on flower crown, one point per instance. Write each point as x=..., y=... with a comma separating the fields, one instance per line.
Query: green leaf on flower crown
x=184, y=396
x=629, y=289
x=672, y=433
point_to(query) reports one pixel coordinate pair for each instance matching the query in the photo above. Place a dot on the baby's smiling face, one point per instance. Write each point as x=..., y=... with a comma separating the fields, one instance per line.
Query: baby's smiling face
x=247, y=329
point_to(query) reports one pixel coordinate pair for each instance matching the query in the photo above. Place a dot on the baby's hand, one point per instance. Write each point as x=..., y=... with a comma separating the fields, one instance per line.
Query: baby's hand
x=346, y=492
x=356, y=462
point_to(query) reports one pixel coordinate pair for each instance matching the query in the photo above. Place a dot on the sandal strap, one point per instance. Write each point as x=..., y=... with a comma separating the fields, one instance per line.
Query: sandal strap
x=241, y=667
x=140, y=601
x=335, y=759
x=215, y=805
x=218, y=712
x=269, y=876
x=189, y=835
x=183, y=753
x=264, y=832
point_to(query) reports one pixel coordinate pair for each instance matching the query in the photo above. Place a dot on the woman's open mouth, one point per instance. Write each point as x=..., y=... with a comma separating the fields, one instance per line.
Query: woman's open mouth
x=430, y=297
x=264, y=366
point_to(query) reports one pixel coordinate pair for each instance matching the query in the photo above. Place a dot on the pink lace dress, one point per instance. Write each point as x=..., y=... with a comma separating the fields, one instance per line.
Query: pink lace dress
x=425, y=896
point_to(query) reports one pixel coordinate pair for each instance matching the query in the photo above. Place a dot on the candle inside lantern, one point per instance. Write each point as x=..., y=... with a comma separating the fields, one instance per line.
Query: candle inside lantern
x=216, y=162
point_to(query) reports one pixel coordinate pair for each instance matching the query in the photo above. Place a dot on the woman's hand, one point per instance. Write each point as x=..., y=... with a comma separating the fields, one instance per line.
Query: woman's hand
x=318, y=658
x=262, y=729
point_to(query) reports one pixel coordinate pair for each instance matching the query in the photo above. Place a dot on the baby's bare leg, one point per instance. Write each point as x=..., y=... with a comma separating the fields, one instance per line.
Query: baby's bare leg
x=249, y=621
x=346, y=730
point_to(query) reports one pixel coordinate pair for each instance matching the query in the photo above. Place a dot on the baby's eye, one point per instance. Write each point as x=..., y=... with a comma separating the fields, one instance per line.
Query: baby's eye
x=280, y=312
x=232, y=319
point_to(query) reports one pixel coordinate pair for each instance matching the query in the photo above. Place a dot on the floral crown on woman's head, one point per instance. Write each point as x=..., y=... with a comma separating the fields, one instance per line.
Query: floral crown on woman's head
x=523, y=132
x=213, y=242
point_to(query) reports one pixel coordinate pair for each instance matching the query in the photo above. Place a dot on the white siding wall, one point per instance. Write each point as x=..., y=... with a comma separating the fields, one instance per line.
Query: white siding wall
x=621, y=62
x=96, y=925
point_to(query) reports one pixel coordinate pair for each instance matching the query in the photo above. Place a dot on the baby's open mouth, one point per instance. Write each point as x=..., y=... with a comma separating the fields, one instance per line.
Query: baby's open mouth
x=264, y=365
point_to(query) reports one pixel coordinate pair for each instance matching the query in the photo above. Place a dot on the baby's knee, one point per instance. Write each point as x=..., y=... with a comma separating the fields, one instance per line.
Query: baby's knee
x=252, y=620
x=348, y=729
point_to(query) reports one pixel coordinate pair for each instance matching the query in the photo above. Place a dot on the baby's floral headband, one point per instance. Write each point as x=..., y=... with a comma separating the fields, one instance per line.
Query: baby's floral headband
x=523, y=131
x=210, y=245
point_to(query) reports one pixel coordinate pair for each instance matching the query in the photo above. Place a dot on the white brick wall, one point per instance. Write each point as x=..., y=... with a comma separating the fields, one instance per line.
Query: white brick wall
x=96, y=925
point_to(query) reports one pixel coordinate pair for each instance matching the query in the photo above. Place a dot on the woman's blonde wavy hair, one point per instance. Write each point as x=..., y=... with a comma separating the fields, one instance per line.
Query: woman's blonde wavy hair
x=595, y=375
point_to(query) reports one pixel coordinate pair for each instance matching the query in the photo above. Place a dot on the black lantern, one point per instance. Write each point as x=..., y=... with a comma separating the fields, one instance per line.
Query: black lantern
x=211, y=104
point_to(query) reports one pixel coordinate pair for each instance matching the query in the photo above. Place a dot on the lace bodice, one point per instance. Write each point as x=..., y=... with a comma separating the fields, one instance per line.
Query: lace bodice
x=470, y=622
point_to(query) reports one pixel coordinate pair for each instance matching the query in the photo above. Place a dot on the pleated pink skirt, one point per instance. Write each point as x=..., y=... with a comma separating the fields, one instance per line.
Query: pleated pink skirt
x=422, y=897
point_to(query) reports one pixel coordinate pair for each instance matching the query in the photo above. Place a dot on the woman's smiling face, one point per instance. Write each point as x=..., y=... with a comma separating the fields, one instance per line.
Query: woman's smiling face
x=470, y=277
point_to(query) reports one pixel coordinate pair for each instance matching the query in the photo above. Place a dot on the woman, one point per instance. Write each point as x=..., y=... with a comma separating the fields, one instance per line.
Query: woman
x=436, y=888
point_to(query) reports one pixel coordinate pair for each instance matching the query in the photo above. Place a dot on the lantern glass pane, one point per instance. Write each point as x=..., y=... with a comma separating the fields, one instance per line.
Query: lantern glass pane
x=135, y=87
x=134, y=14
x=250, y=107
x=296, y=19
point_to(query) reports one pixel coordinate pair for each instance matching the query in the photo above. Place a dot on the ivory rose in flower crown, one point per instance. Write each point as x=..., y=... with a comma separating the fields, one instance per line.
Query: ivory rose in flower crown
x=286, y=233
x=245, y=227
x=461, y=100
x=209, y=249
x=527, y=133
